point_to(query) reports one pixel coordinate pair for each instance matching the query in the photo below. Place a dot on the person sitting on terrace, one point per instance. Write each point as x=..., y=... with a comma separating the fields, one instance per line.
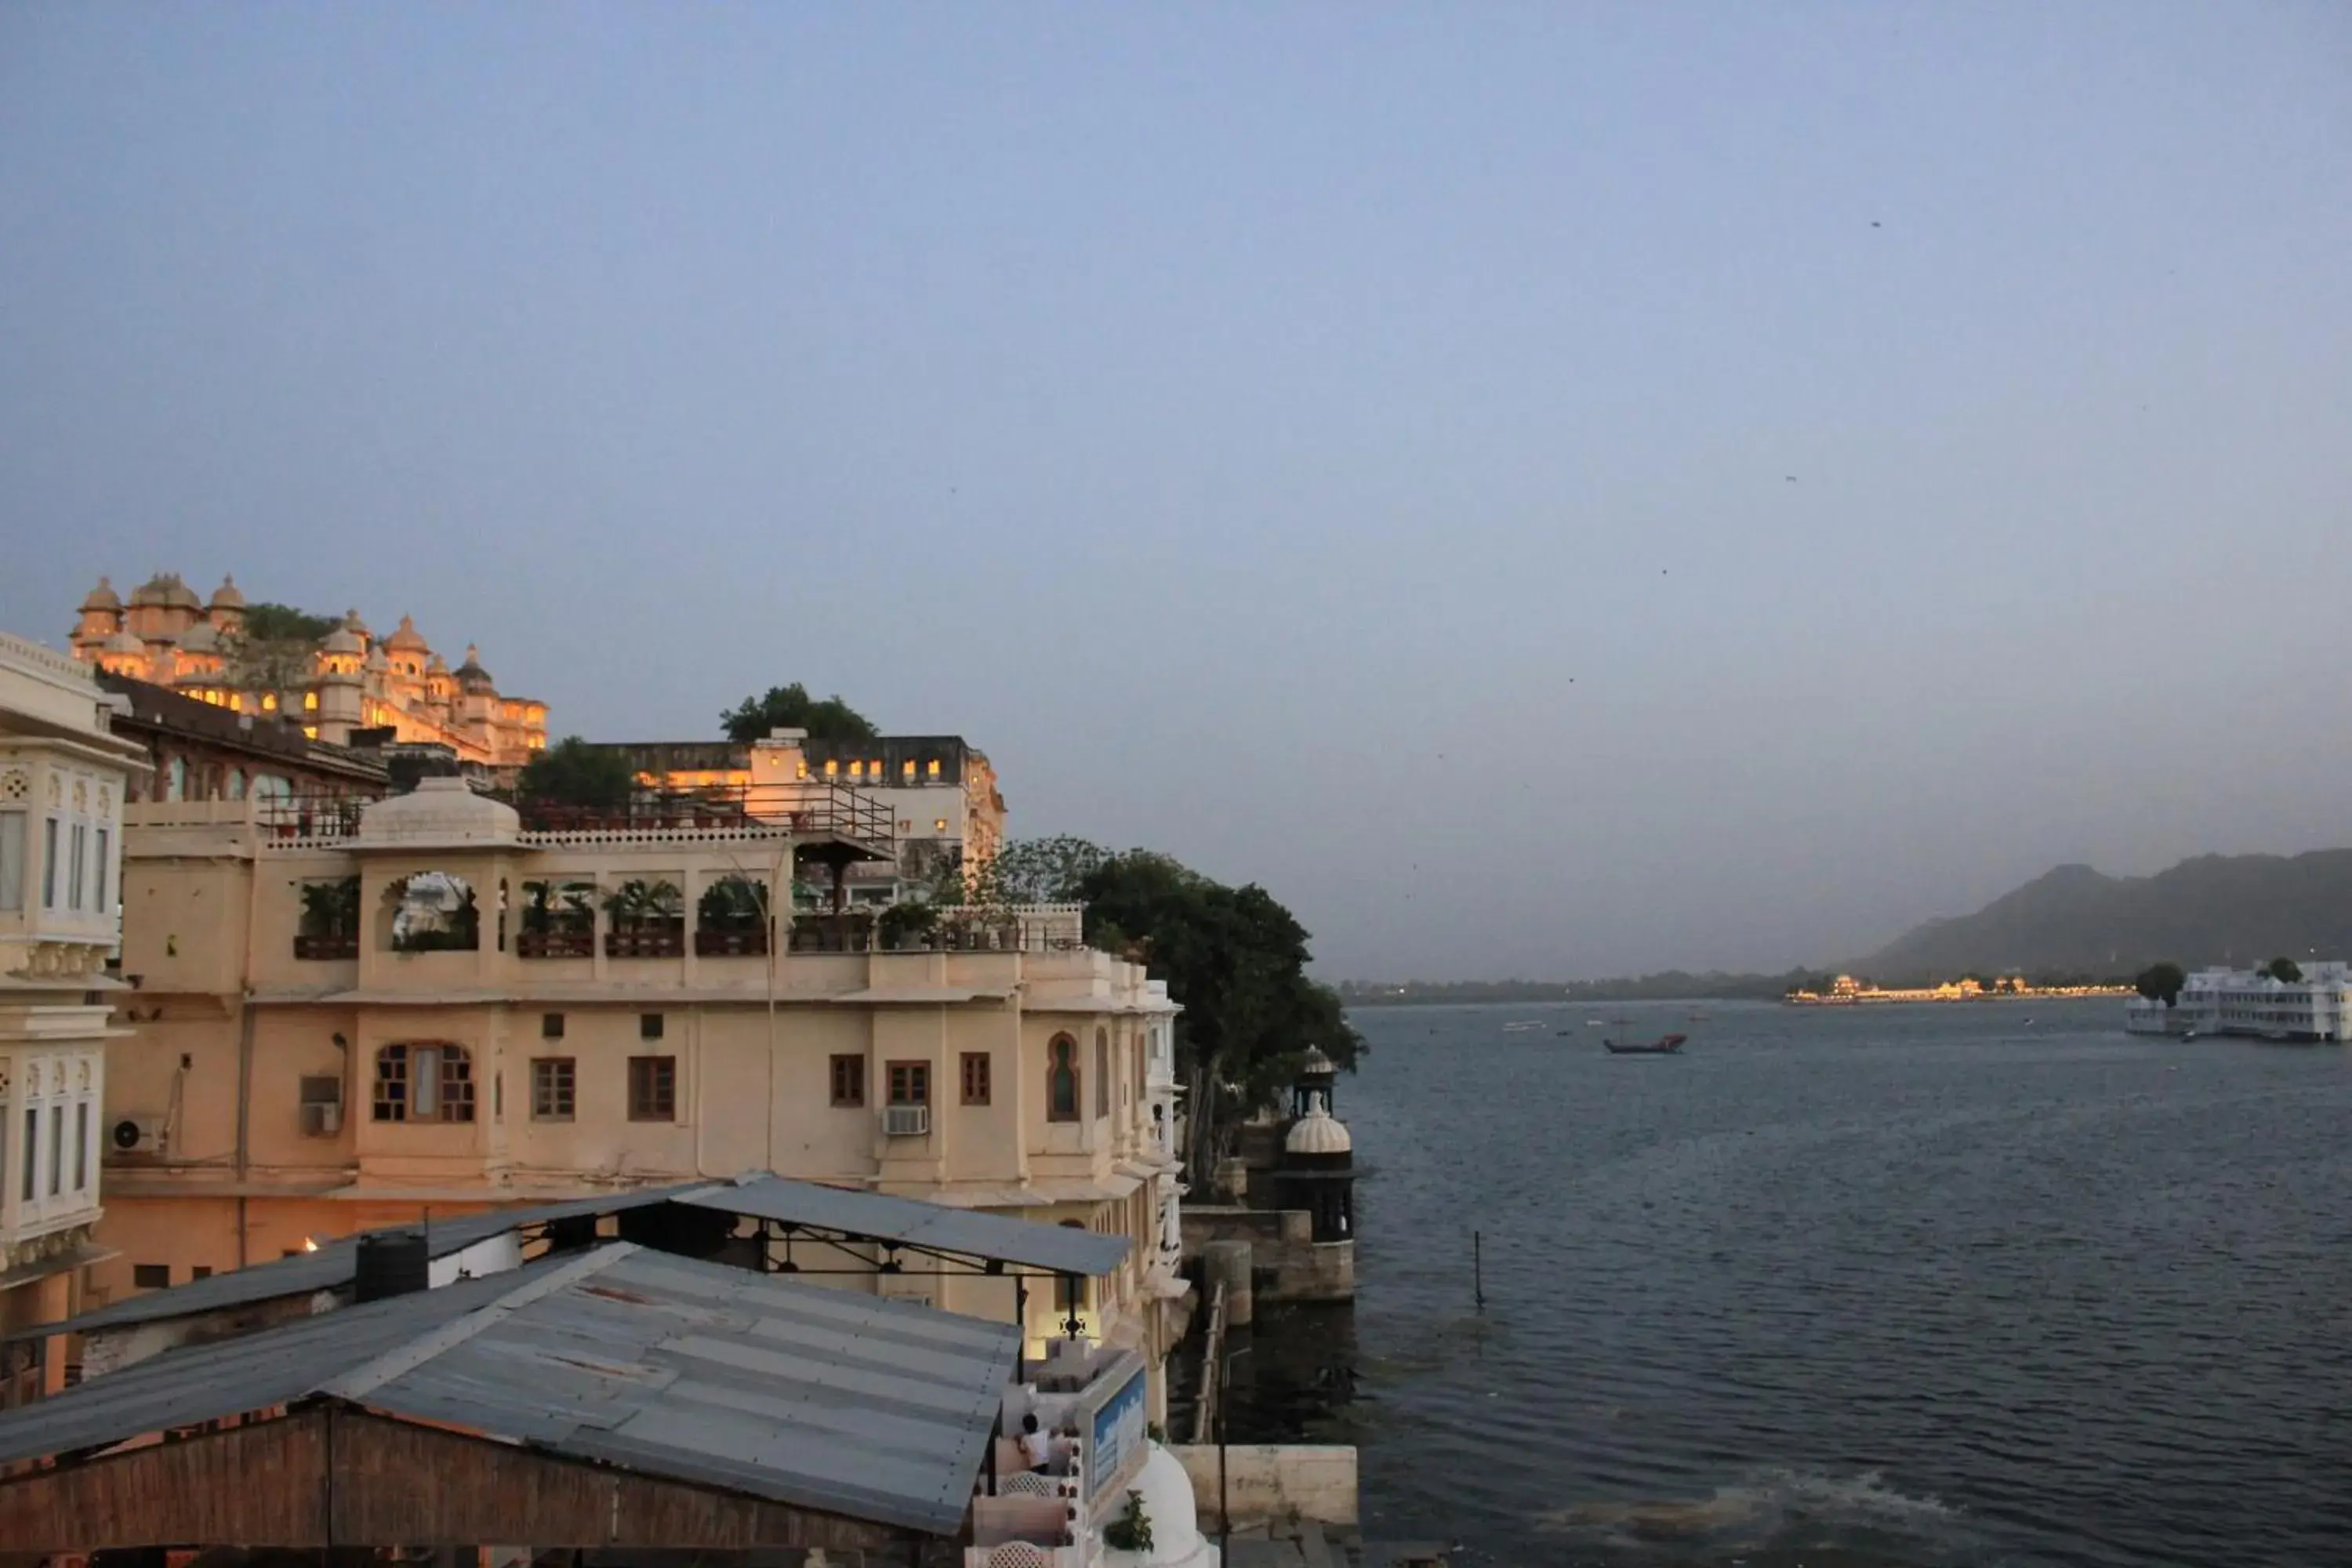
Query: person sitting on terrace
x=1033, y=1445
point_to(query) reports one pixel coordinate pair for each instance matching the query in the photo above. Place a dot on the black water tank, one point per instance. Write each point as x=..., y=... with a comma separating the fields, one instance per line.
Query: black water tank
x=391, y=1263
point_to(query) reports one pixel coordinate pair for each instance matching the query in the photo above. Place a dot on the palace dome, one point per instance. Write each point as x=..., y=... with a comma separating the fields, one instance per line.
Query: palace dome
x=103, y=597
x=407, y=638
x=1176, y=1540
x=439, y=810
x=1317, y=1133
x=343, y=640
x=1318, y=1065
x=125, y=642
x=202, y=637
x=166, y=590
x=471, y=675
x=227, y=597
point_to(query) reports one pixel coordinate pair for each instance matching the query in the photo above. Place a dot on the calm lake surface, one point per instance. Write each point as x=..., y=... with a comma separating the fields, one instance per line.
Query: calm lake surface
x=1960, y=1285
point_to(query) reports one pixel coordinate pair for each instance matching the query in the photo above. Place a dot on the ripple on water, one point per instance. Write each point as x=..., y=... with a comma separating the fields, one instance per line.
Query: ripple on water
x=1902, y=1287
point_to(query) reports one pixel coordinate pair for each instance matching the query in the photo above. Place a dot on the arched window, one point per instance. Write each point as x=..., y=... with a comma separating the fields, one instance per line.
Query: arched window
x=1062, y=1079
x=423, y=1082
x=1102, y=1072
x=236, y=783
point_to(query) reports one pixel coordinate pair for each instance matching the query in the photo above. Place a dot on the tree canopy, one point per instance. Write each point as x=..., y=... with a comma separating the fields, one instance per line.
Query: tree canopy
x=791, y=708
x=2161, y=983
x=2284, y=970
x=573, y=772
x=272, y=650
x=1233, y=957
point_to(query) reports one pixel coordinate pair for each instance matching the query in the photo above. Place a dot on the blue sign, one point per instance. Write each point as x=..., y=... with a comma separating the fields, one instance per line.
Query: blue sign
x=1119, y=1432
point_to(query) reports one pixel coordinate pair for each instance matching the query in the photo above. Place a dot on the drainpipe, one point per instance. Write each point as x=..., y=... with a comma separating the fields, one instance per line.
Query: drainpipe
x=244, y=1027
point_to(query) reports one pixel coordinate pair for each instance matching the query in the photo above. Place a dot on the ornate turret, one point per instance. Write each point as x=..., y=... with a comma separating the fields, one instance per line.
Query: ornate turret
x=471, y=675
x=406, y=638
x=101, y=617
x=1312, y=1087
x=1318, y=1169
x=103, y=597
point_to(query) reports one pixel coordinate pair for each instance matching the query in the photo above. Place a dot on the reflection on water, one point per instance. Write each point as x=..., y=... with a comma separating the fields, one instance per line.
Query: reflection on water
x=1929, y=1286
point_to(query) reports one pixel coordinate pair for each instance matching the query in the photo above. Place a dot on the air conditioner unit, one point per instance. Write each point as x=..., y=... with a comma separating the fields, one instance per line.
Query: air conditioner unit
x=139, y=1136
x=322, y=1120
x=906, y=1120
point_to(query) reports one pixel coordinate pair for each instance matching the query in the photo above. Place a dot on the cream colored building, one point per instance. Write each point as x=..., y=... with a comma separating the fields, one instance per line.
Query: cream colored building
x=350, y=681
x=63, y=777
x=443, y=1012
x=938, y=796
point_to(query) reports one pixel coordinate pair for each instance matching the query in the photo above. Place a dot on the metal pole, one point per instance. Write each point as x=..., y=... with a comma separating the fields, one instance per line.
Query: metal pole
x=1477, y=1269
x=1225, y=1502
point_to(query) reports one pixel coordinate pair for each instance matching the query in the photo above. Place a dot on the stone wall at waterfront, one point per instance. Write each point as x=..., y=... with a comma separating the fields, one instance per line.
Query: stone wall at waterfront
x=1268, y=1483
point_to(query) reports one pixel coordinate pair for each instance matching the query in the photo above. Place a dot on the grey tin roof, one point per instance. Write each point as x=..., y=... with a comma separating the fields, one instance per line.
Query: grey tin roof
x=698, y=1372
x=1023, y=1243
x=331, y=1267
x=1058, y=1249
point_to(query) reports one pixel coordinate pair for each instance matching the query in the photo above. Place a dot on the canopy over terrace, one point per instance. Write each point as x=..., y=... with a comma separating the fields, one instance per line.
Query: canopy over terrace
x=820, y=1229
x=618, y=1397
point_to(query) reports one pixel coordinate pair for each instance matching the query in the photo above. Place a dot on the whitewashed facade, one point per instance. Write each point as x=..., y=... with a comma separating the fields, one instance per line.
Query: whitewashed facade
x=2248, y=1002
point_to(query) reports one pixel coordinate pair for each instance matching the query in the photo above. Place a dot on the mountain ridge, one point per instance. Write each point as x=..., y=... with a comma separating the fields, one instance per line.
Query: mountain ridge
x=2208, y=908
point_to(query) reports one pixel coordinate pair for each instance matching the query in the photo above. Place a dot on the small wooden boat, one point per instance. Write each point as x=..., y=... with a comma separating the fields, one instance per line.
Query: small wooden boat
x=1663, y=1046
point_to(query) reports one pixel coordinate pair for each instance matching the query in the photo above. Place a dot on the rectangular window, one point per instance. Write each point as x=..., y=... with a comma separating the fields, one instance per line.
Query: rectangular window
x=56, y=1150
x=12, y=859
x=649, y=1025
x=1102, y=1073
x=32, y=1147
x=911, y=1083
x=151, y=1276
x=550, y=1025
x=975, y=1077
x=653, y=1088
x=97, y=896
x=201, y=1271
x=849, y=1080
x=49, y=863
x=78, y=867
x=550, y=1088
x=81, y=1147
x=932, y=768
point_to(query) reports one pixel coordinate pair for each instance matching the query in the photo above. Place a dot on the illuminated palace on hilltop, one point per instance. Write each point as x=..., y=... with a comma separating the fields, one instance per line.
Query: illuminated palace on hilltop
x=351, y=680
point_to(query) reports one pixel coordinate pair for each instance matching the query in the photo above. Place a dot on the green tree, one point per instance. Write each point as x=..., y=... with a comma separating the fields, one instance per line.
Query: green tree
x=573, y=772
x=275, y=648
x=2286, y=971
x=2161, y=983
x=1026, y=871
x=1236, y=961
x=791, y=708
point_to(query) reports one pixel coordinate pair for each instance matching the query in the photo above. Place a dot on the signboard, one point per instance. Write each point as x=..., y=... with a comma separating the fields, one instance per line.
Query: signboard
x=1118, y=1436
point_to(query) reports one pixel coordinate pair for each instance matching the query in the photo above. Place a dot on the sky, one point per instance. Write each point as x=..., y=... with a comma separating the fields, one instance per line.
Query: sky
x=1546, y=489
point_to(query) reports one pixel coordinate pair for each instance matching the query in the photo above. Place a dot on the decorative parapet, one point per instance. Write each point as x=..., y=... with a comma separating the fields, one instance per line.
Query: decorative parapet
x=48, y=661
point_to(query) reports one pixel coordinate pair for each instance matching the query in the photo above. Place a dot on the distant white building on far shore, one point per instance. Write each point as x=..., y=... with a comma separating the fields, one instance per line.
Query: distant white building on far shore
x=2222, y=1001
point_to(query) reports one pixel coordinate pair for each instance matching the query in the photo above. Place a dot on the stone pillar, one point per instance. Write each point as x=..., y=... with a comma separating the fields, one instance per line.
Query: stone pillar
x=1227, y=1263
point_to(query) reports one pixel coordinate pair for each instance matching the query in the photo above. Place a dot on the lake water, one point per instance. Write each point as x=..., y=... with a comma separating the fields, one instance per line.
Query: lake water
x=1956, y=1285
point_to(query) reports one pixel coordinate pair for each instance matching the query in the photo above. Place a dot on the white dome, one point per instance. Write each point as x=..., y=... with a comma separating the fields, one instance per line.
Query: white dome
x=1176, y=1540
x=1317, y=1133
x=440, y=811
x=1318, y=1065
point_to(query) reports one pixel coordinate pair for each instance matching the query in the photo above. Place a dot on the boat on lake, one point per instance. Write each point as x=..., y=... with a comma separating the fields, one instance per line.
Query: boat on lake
x=1523, y=1026
x=1663, y=1046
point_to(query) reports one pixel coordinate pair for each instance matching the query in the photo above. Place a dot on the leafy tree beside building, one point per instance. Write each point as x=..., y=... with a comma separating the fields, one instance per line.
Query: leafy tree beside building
x=791, y=708
x=2161, y=983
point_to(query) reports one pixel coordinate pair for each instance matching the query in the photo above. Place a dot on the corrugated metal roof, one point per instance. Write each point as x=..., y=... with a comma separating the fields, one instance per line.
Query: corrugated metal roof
x=1059, y=1249
x=331, y=1267
x=1055, y=1248
x=700, y=1371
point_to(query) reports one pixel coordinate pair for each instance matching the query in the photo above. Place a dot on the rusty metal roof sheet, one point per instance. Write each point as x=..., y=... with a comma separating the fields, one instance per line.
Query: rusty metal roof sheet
x=700, y=1371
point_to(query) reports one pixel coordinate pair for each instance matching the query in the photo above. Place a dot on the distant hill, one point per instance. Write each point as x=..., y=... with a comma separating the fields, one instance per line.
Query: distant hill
x=2216, y=909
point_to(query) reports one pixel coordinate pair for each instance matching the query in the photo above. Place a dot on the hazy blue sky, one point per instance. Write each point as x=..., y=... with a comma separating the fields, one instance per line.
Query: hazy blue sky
x=1545, y=489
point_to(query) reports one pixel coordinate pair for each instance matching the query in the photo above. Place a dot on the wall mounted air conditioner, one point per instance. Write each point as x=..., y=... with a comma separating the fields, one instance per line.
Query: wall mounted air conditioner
x=906, y=1120
x=322, y=1120
x=138, y=1135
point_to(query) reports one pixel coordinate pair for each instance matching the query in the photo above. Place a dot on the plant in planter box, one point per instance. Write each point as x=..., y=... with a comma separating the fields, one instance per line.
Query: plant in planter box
x=1131, y=1530
x=330, y=919
x=648, y=919
x=731, y=917
x=907, y=925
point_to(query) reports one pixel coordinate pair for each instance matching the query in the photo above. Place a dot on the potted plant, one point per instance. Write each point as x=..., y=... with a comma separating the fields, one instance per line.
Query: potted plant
x=731, y=919
x=907, y=926
x=557, y=921
x=1131, y=1530
x=330, y=919
x=648, y=919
